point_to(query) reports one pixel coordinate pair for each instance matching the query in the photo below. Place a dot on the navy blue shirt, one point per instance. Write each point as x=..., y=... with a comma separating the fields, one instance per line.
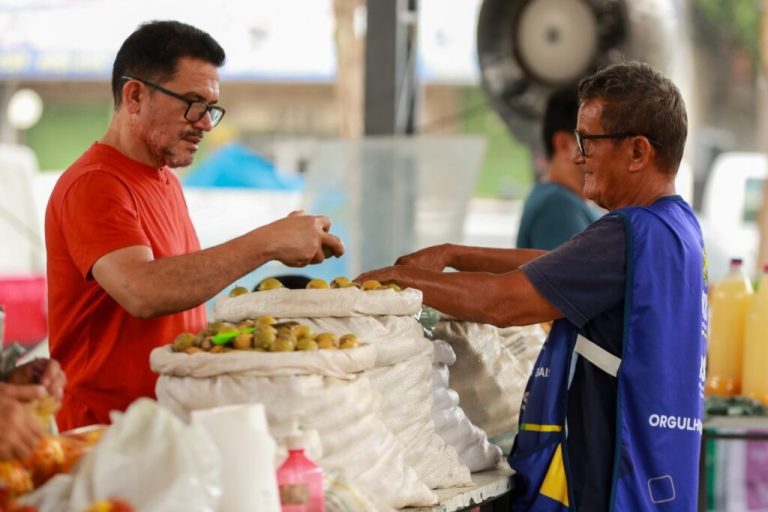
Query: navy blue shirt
x=585, y=279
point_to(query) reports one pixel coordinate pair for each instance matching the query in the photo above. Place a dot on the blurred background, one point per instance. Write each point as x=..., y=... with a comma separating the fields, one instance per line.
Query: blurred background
x=408, y=122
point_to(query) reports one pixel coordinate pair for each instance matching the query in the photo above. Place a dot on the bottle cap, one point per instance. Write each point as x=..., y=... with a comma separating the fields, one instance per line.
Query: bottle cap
x=295, y=438
x=737, y=261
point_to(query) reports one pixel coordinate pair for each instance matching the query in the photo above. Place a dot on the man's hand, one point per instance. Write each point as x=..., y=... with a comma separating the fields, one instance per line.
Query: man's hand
x=45, y=372
x=298, y=239
x=431, y=258
x=19, y=429
x=382, y=275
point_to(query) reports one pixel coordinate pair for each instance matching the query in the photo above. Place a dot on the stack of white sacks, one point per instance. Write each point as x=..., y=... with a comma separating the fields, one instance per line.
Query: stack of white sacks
x=491, y=369
x=373, y=406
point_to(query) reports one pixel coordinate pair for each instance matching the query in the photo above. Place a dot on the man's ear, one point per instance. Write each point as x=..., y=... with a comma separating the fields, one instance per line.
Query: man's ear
x=132, y=92
x=643, y=153
x=564, y=143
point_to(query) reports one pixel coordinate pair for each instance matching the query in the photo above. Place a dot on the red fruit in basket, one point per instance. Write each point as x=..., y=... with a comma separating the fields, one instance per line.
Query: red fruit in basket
x=15, y=478
x=46, y=461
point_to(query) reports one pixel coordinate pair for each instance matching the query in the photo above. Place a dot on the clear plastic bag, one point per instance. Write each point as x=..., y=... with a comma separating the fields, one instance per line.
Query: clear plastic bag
x=149, y=458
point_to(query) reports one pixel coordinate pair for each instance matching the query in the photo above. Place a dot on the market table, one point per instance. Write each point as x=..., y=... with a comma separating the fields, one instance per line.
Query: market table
x=727, y=427
x=490, y=493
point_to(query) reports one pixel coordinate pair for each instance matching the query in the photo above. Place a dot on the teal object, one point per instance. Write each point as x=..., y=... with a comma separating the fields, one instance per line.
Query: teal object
x=236, y=166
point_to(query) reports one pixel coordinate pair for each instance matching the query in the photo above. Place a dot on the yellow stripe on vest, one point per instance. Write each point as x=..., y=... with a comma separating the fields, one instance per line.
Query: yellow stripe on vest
x=555, y=485
x=533, y=427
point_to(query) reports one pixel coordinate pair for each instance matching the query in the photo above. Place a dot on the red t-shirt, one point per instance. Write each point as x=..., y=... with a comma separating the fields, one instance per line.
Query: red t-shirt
x=104, y=202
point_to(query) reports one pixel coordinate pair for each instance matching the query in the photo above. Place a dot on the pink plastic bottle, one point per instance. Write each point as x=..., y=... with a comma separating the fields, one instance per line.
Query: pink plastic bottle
x=299, y=479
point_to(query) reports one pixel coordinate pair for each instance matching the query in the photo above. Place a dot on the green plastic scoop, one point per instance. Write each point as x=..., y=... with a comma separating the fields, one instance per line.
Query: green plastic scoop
x=223, y=337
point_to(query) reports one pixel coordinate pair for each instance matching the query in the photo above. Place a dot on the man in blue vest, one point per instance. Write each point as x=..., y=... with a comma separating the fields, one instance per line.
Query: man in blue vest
x=611, y=416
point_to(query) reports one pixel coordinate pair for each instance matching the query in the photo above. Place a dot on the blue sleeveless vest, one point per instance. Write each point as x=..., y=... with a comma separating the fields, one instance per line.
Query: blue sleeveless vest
x=660, y=376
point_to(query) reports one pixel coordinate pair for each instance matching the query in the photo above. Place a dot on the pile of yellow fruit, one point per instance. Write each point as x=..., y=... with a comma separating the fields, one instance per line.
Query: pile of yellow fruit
x=264, y=334
x=340, y=282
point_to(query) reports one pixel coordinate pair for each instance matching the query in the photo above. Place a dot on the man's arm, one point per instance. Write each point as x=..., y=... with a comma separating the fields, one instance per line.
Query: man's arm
x=148, y=287
x=470, y=259
x=498, y=299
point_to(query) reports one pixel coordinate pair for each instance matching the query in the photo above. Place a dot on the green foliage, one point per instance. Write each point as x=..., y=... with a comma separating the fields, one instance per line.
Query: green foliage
x=736, y=21
x=507, y=170
x=65, y=131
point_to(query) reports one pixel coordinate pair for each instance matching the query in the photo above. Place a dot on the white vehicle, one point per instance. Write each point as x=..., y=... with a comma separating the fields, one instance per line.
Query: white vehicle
x=731, y=204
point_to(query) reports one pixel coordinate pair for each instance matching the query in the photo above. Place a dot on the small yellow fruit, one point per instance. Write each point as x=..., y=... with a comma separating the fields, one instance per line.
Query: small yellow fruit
x=342, y=282
x=266, y=320
x=194, y=350
x=264, y=337
x=306, y=344
x=270, y=283
x=228, y=328
x=243, y=341
x=302, y=331
x=212, y=328
x=238, y=290
x=282, y=344
x=317, y=283
x=393, y=286
x=348, y=341
x=371, y=284
x=183, y=341
x=286, y=332
x=327, y=339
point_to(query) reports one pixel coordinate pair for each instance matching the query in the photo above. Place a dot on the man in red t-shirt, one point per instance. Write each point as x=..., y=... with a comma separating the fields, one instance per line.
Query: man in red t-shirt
x=125, y=269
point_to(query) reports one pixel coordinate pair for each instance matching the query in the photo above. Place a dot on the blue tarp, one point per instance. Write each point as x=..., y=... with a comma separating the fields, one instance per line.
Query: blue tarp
x=235, y=166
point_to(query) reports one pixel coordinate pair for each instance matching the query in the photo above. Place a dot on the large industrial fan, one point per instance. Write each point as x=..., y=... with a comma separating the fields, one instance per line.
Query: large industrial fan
x=527, y=49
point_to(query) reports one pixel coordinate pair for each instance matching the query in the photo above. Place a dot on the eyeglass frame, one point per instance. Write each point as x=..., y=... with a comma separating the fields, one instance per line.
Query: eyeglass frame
x=617, y=135
x=209, y=109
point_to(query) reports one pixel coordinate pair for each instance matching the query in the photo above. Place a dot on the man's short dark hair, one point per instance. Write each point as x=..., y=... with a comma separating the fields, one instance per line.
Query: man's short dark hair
x=153, y=51
x=560, y=116
x=640, y=100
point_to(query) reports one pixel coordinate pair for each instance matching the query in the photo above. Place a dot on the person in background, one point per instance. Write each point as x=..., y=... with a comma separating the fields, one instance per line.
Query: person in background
x=20, y=430
x=126, y=272
x=556, y=209
x=621, y=428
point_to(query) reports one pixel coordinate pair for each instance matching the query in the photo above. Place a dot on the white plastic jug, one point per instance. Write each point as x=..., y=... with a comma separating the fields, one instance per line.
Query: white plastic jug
x=247, y=455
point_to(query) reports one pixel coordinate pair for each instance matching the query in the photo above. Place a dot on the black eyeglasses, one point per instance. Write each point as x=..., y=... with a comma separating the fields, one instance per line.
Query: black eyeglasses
x=620, y=135
x=196, y=109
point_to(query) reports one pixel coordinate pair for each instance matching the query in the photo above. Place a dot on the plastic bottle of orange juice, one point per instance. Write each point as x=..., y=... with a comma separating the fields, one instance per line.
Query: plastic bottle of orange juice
x=755, y=376
x=729, y=306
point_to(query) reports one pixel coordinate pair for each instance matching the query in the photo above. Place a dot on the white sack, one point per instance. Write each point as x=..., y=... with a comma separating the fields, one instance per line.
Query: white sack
x=318, y=303
x=470, y=442
x=402, y=373
x=491, y=370
x=342, y=406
